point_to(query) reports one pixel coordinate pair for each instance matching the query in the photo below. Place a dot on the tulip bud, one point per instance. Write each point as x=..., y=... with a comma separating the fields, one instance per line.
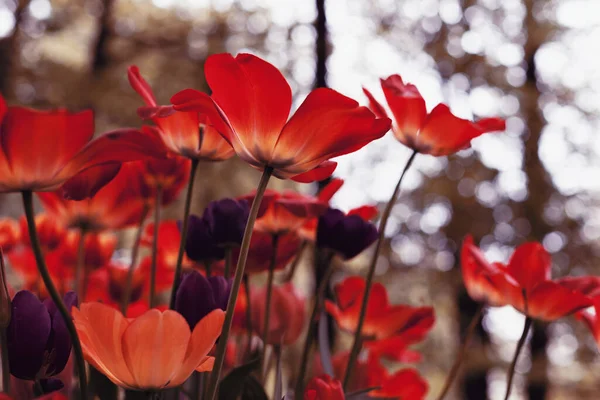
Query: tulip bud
x=324, y=387
x=347, y=235
x=5, y=306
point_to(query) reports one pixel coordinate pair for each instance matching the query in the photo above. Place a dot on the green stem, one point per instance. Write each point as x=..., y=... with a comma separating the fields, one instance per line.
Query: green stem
x=237, y=281
x=227, y=270
x=296, y=261
x=134, y=256
x=5, y=366
x=513, y=364
x=54, y=295
x=461, y=353
x=371, y=272
x=184, y=229
x=269, y=294
x=153, y=266
x=78, y=285
x=311, y=325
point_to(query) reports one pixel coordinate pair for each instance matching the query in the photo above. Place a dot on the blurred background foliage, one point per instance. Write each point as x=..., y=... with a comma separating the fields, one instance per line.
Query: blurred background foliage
x=532, y=62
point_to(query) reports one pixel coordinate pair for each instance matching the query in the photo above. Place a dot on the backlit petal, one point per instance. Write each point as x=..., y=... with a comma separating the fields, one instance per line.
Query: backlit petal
x=321, y=172
x=139, y=84
x=549, y=301
x=530, y=265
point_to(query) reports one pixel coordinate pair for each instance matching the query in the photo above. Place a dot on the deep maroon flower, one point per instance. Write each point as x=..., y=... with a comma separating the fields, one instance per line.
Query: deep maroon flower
x=226, y=219
x=197, y=296
x=200, y=245
x=347, y=235
x=39, y=344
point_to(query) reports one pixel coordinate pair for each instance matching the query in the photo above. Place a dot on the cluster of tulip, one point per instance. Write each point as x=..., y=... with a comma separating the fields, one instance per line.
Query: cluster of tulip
x=172, y=316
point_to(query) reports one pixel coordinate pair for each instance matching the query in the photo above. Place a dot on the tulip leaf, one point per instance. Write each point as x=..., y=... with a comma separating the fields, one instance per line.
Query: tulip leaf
x=324, y=349
x=240, y=382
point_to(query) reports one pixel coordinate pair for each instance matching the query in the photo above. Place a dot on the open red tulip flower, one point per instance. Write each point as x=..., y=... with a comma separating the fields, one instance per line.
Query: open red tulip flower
x=42, y=150
x=117, y=205
x=252, y=103
x=187, y=133
x=524, y=283
x=439, y=132
x=168, y=244
x=98, y=249
x=10, y=234
x=154, y=351
x=51, y=232
x=404, y=384
x=382, y=320
x=286, y=211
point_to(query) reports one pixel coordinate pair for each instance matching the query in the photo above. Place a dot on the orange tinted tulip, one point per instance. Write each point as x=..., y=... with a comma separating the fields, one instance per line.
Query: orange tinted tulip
x=523, y=283
x=382, y=319
x=256, y=100
x=185, y=133
x=118, y=205
x=287, y=314
x=10, y=234
x=152, y=352
x=41, y=150
x=439, y=133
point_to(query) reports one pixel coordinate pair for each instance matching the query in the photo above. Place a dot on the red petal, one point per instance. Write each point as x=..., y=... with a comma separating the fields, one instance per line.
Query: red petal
x=121, y=145
x=3, y=108
x=349, y=291
x=365, y=212
x=255, y=97
x=38, y=144
x=139, y=84
x=321, y=172
x=406, y=384
x=491, y=124
x=155, y=112
x=87, y=183
x=330, y=190
x=408, y=108
x=587, y=285
x=549, y=301
x=530, y=265
x=374, y=105
x=327, y=124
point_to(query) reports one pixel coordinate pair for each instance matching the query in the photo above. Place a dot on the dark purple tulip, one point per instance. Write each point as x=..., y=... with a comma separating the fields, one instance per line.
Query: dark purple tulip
x=227, y=219
x=199, y=244
x=197, y=296
x=347, y=235
x=39, y=344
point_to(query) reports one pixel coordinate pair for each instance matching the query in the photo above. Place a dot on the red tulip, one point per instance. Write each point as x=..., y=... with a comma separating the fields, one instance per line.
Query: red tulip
x=439, y=133
x=186, y=133
x=287, y=313
x=98, y=249
x=252, y=103
x=10, y=234
x=324, y=387
x=382, y=320
x=261, y=249
x=169, y=237
x=523, y=283
x=42, y=150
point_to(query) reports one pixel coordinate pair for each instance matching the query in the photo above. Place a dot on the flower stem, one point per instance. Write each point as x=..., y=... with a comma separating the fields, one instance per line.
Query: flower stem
x=237, y=281
x=157, y=206
x=461, y=352
x=371, y=272
x=311, y=326
x=78, y=285
x=184, y=229
x=227, y=270
x=265, y=330
x=513, y=364
x=296, y=262
x=54, y=295
x=134, y=256
x=5, y=366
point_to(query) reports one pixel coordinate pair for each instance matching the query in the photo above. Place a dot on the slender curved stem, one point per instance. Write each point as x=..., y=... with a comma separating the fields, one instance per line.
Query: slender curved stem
x=78, y=285
x=237, y=281
x=5, y=365
x=184, y=229
x=296, y=262
x=153, y=266
x=371, y=272
x=54, y=295
x=134, y=256
x=513, y=364
x=311, y=326
x=227, y=270
x=265, y=330
x=461, y=352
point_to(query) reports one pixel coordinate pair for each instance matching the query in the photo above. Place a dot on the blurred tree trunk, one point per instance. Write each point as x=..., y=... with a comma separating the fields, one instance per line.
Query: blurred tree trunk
x=9, y=51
